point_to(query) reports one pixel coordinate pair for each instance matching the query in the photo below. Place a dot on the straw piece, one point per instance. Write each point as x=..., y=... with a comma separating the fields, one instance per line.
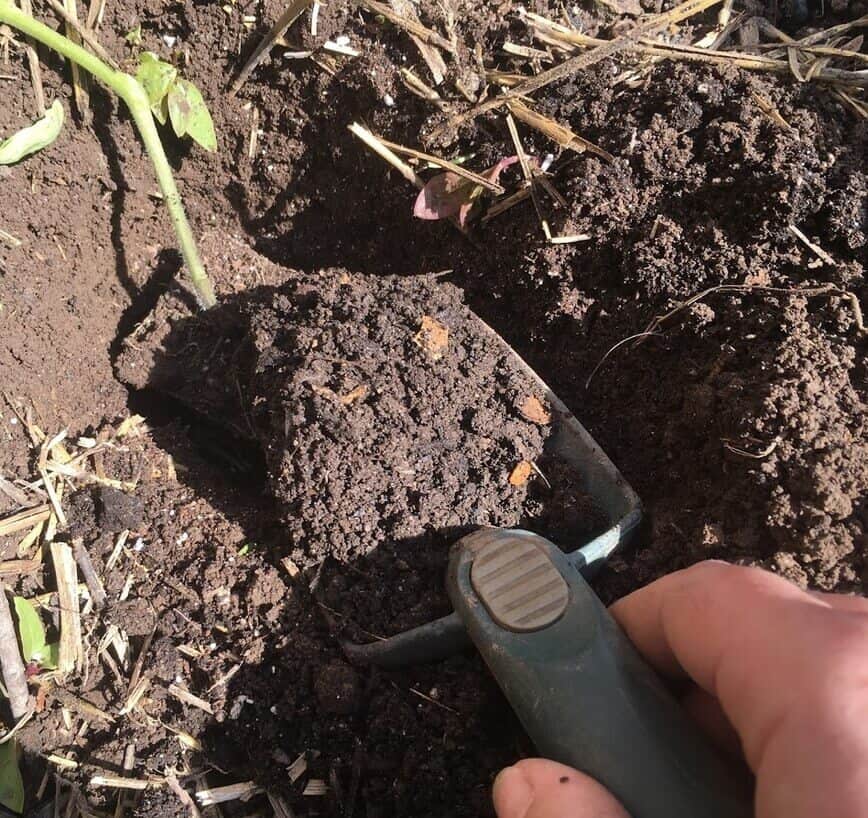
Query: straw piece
x=433, y=58
x=24, y=519
x=71, y=653
x=412, y=26
x=184, y=695
x=561, y=134
x=33, y=64
x=91, y=578
x=231, y=792
x=377, y=146
x=292, y=13
x=452, y=167
x=582, y=61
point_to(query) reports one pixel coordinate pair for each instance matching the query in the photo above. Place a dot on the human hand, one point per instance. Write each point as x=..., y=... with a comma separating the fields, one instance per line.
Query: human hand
x=774, y=673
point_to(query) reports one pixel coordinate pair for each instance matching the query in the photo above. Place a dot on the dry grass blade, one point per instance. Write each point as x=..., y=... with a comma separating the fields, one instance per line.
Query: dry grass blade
x=582, y=61
x=377, y=146
x=504, y=204
x=412, y=26
x=433, y=58
x=812, y=246
x=79, y=78
x=11, y=664
x=135, y=696
x=768, y=108
x=33, y=64
x=7, y=238
x=24, y=519
x=569, y=39
x=15, y=494
x=71, y=652
x=292, y=13
x=561, y=134
x=458, y=170
x=859, y=108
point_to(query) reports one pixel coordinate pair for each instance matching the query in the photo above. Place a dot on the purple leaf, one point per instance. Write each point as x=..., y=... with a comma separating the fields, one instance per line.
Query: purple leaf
x=448, y=194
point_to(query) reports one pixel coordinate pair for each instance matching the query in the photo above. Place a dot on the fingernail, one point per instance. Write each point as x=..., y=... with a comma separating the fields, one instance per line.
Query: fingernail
x=512, y=793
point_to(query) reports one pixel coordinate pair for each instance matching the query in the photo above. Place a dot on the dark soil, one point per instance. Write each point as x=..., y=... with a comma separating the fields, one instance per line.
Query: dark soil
x=741, y=423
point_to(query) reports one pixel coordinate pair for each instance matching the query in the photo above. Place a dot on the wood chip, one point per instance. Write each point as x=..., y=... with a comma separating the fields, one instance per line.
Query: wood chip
x=534, y=410
x=298, y=768
x=433, y=337
x=521, y=473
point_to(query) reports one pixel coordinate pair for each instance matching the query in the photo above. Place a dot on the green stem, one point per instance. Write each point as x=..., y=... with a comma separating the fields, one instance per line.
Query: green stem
x=135, y=98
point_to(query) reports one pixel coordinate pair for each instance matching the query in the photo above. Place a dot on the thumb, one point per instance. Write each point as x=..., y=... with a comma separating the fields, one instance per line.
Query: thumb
x=537, y=788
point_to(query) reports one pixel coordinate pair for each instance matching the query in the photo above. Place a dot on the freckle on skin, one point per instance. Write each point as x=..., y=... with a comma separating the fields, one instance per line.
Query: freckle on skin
x=563, y=779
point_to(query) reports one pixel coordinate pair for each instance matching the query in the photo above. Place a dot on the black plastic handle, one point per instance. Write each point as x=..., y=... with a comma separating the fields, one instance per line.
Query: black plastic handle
x=587, y=699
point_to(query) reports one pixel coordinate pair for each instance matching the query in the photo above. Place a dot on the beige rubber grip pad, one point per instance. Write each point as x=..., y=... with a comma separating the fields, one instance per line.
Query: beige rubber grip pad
x=518, y=584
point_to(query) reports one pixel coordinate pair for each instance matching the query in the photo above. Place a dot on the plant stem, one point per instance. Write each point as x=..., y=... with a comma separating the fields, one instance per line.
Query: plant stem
x=133, y=95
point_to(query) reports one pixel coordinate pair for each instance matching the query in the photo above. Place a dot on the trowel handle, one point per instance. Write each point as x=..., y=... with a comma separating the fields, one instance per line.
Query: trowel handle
x=579, y=687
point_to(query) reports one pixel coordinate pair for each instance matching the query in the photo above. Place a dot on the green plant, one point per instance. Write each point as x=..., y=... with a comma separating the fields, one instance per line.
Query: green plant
x=11, y=785
x=31, y=633
x=176, y=99
x=137, y=101
x=34, y=137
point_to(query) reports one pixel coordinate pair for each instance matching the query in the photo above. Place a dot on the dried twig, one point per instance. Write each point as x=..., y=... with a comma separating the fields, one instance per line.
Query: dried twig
x=582, y=61
x=412, y=26
x=11, y=663
x=183, y=796
x=86, y=35
x=91, y=578
x=33, y=64
x=292, y=13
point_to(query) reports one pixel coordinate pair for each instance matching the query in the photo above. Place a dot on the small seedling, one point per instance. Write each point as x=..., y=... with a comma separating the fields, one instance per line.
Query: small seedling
x=134, y=35
x=448, y=194
x=176, y=100
x=34, y=137
x=137, y=101
x=11, y=784
x=31, y=633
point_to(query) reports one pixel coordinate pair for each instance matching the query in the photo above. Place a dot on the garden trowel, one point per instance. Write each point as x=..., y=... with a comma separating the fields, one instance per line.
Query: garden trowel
x=581, y=690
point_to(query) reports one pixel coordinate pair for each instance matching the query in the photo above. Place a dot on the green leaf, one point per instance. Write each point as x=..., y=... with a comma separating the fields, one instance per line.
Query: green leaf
x=34, y=137
x=11, y=784
x=50, y=657
x=190, y=116
x=30, y=630
x=156, y=77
